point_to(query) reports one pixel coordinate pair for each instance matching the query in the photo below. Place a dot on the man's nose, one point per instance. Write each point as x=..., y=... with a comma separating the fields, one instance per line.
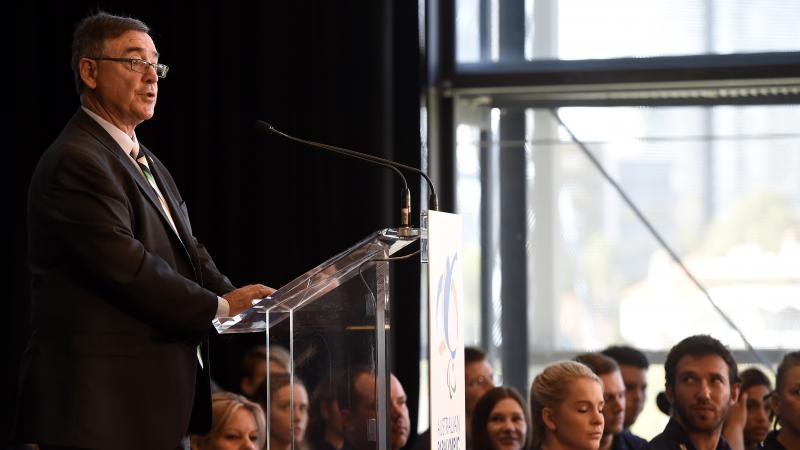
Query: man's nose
x=150, y=75
x=704, y=390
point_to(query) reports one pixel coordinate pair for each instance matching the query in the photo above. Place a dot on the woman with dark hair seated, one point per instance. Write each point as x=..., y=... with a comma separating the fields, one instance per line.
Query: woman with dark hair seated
x=237, y=423
x=567, y=408
x=500, y=421
x=758, y=388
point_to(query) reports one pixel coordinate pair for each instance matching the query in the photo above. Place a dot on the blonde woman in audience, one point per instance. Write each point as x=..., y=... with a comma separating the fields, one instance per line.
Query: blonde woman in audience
x=567, y=408
x=237, y=424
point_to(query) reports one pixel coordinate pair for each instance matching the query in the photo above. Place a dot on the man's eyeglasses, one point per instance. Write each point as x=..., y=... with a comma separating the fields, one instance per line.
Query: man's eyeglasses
x=139, y=65
x=480, y=381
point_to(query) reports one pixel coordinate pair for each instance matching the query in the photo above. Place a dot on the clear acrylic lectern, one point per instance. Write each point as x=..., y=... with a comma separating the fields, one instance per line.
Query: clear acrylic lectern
x=334, y=322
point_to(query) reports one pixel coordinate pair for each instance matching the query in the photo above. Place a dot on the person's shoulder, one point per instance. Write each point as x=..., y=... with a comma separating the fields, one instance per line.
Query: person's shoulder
x=631, y=441
x=771, y=442
x=660, y=442
x=423, y=441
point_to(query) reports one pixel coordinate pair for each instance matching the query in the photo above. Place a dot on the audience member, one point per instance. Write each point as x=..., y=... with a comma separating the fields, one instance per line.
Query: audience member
x=254, y=367
x=478, y=379
x=237, y=423
x=662, y=402
x=500, y=421
x=755, y=391
x=786, y=405
x=401, y=423
x=566, y=408
x=325, y=420
x=254, y=370
x=701, y=377
x=279, y=359
x=615, y=436
x=633, y=366
x=357, y=404
x=286, y=425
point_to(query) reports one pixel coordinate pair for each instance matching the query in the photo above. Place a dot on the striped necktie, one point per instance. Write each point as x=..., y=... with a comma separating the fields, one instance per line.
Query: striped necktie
x=141, y=158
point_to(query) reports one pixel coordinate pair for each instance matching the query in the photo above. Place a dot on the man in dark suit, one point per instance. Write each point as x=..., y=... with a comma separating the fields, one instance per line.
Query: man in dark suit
x=123, y=294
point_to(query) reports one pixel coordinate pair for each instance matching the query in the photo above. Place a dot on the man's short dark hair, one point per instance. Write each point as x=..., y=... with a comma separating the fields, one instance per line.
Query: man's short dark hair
x=347, y=395
x=91, y=35
x=626, y=355
x=754, y=377
x=473, y=354
x=599, y=363
x=698, y=345
x=255, y=356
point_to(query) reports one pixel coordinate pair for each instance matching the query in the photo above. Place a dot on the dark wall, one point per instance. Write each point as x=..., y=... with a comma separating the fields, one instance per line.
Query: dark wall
x=344, y=73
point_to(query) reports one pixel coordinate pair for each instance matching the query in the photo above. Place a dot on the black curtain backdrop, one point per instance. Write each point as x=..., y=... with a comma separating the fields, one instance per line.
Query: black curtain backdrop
x=345, y=73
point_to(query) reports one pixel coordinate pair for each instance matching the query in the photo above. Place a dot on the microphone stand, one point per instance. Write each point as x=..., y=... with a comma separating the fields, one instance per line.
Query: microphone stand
x=405, y=229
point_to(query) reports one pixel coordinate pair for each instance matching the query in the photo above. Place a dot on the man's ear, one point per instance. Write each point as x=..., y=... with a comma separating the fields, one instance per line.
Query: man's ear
x=670, y=394
x=88, y=72
x=548, y=419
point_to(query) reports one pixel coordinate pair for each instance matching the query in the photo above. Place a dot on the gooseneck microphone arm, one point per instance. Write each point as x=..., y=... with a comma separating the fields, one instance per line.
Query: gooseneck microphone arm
x=433, y=201
x=405, y=211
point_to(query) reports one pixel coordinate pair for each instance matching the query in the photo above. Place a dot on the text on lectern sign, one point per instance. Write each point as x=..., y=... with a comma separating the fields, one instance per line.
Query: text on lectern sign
x=446, y=331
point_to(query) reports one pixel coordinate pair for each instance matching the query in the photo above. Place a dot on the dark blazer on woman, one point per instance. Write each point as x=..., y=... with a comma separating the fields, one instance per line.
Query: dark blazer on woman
x=119, y=302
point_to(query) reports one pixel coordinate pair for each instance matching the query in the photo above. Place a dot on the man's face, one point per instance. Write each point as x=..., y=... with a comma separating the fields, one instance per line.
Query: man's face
x=479, y=379
x=635, y=379
x=401, y=424
x=701, y=395
x=124, y=97
x=355, y=421
x=614, y=397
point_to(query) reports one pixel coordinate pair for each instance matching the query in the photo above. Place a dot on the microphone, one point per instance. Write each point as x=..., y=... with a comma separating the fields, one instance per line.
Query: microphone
x=405, y=228
x=433, y=200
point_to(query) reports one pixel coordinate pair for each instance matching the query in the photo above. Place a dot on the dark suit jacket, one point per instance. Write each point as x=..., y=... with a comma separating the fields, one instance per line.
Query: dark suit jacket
x=119, y=303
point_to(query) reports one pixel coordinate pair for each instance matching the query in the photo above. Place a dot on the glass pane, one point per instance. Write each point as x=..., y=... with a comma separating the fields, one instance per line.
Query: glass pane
x=581, y=29
x=719, y=184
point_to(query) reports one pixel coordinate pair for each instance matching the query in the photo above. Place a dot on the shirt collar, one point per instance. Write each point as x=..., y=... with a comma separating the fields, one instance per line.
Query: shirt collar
x=125, y=142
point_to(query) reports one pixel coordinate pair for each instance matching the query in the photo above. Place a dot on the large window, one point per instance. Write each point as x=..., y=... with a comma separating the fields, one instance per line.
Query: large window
x=689, y=108
x=720, y=185
x=585, y=29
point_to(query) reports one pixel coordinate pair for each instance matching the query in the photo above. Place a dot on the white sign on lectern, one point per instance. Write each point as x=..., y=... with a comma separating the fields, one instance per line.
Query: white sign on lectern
x=446, y=331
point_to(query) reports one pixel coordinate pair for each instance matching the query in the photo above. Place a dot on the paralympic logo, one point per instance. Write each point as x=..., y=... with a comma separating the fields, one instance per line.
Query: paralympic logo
x=447, y=320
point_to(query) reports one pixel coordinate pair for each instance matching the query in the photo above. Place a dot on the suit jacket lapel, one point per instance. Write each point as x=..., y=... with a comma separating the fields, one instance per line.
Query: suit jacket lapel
x=178, y=217
x=88, y=124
